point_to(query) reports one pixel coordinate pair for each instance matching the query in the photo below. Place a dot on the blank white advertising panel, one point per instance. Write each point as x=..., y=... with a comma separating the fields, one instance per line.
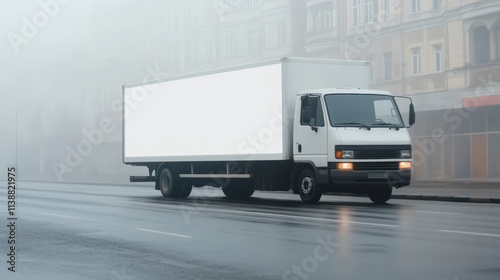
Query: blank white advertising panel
x=235, y=115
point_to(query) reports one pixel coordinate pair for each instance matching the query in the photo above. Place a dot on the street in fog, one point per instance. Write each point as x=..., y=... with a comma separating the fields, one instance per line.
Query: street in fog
x=65, y=67
x=79, y=231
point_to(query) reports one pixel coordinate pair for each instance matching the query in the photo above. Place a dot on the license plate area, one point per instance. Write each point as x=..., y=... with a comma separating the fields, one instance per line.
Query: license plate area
x=377, y=175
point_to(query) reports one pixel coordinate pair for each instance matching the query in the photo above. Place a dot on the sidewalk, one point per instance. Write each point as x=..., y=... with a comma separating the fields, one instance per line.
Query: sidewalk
x=455, y=190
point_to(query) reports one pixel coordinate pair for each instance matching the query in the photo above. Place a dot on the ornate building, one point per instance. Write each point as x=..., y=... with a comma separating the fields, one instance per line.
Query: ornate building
x=444, y=54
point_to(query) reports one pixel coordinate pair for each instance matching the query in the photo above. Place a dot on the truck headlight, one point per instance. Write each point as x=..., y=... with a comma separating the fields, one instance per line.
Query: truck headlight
x=345, y=166
x=405, y=153
x=405, y=165
x=344, y=154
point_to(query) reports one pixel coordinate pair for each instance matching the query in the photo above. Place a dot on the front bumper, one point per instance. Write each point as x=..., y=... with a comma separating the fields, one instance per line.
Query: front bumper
x=365, y=178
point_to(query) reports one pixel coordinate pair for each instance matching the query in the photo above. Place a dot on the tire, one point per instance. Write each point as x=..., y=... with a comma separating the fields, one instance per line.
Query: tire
x=169, y=183
x=308, y=187
x=380, y=195
x=239, y=189
x=186, y=190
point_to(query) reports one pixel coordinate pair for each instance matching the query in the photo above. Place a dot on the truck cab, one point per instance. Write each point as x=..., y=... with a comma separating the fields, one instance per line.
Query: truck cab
x=351, y=141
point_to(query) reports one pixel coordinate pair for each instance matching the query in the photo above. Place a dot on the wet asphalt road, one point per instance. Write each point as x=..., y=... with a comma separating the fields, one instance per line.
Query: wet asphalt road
x=73, y=231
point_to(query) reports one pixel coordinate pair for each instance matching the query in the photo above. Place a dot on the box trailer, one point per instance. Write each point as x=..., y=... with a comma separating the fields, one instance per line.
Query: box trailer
x=301, y=124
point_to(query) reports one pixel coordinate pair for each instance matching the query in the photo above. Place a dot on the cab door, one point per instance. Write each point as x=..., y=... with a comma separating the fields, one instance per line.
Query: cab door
x=310, y=133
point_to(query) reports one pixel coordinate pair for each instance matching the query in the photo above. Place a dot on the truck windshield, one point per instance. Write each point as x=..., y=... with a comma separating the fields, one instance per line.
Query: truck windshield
x=363, y=110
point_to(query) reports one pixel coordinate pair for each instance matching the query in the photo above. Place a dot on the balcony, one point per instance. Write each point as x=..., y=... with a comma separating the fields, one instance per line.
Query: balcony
x=322, y=35
x=483, y=74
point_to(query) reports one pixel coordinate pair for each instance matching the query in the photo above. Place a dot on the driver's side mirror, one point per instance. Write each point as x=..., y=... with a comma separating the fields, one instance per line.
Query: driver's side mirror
x=412, y=115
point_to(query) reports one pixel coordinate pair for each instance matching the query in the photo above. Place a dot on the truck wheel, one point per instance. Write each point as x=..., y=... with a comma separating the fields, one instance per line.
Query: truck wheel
x=247, y=190
x=186, y=190
x=380, y=195
x=309, y=189
x=238, y=190
x=169, y=184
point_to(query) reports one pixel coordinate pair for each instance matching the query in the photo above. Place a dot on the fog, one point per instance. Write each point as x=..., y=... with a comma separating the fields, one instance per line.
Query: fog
x=63, y=65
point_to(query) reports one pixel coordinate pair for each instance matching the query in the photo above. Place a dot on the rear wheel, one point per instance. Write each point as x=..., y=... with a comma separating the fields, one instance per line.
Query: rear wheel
x=308, y=187
x=169, y=183
x=380, y=195
x=239, y=189
x=186, y=190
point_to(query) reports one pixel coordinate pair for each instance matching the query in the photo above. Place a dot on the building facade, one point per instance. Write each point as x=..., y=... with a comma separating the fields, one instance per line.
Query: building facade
x=217, y=33
x=445, y=54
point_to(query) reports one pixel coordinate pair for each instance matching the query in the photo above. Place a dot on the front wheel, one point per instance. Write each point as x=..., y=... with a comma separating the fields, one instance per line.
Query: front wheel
x=309, y=189
x=380, y=195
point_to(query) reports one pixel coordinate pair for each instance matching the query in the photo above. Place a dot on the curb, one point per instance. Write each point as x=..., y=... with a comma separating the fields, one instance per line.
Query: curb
x=447, y=198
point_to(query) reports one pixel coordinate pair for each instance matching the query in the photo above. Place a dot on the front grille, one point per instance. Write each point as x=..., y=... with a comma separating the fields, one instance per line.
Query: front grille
x=376, y=166
x=377, y=154
x=374, y=151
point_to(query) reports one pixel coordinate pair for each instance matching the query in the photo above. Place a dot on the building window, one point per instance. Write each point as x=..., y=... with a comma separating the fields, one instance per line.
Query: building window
x=364, y=11
x=251, y=4
x=328, y=22
x=388, y=66
x=436, y=4
x=322, y=17
x=253, y=41
x=282, y=33
x=276, y=34
x=438, y=58
x=368, y=11
x=207, y=51
x=356, y=12
x=415, y=6
x=482, y=45
x=386, y=14
x=415, y=61
x=229, y=46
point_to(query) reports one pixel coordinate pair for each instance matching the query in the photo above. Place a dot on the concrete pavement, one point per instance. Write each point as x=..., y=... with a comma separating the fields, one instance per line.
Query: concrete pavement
x=478, y=191
x=87, y=231
x=451, y=190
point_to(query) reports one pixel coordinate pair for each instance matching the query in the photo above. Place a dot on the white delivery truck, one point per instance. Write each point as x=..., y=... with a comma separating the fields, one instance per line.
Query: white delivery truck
x=300, y=124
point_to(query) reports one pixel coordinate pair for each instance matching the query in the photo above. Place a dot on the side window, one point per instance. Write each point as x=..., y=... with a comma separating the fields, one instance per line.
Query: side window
x=311, y=106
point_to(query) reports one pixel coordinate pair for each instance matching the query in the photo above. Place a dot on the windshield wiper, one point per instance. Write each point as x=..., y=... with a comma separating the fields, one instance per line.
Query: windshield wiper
x=353, y=123
x=384, y=123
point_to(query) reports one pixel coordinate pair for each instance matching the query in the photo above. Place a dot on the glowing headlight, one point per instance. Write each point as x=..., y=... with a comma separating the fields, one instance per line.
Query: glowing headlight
x=405, y=165
x=345, y=166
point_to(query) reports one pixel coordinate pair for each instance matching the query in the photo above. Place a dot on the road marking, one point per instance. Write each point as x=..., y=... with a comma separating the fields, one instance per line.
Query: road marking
x=162, y=232
x=302, y=217
x=432, y=212
x=275, y=215
x=470, y=233
x=56, y=215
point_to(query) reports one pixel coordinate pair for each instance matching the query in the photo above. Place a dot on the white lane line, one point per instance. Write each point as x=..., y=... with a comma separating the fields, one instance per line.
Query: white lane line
x=162, y=232
x=56, y=215
x=432, y=212
x=469, y=233
x=273, y=215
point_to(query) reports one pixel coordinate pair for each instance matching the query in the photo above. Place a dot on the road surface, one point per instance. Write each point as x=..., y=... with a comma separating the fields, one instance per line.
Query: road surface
x=77, y=231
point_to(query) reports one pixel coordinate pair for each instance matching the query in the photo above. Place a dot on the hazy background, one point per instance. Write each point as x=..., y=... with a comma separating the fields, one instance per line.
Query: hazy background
x=63, y=63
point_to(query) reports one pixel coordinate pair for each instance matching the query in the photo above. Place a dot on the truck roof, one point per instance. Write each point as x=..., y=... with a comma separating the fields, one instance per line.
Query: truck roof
x=324, y=91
